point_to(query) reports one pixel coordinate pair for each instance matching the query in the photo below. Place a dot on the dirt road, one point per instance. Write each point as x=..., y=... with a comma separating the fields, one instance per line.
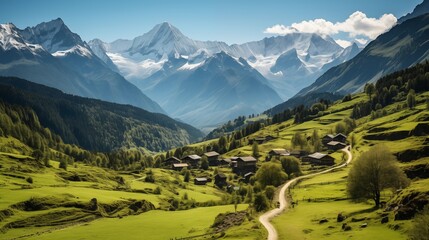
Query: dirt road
x=266, y=217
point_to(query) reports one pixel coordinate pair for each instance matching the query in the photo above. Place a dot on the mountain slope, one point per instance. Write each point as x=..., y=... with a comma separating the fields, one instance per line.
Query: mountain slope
x=420, y=9
x=94, y=124
x=51, y=54
x=218, y=89
x=403, y=46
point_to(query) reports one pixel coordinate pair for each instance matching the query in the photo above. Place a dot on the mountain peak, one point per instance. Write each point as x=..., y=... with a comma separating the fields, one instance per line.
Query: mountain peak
x=53, y=36
x=163, y=40
x=166, y=25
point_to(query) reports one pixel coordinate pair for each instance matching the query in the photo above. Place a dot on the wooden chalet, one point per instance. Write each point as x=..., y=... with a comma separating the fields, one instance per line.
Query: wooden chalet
x=334, y=145
x=243, y=165
x=340, y=138
x=298, y=153
x=200, y=181
x=212, y=157
x=319, y=159
x=220, y=180
x=327, y=138
x=192, y=160
x=179, y=166
x=224, y=162
x=278, y=152
x=170, y=161
x=258, y=140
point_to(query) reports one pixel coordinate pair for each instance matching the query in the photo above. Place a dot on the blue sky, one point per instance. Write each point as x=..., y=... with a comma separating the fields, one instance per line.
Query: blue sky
x=232, y=21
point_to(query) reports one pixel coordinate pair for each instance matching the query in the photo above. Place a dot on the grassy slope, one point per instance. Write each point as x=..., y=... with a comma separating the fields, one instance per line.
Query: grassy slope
x=151, y=225
x=327, y=192
x=304, y=217
x=48, y=183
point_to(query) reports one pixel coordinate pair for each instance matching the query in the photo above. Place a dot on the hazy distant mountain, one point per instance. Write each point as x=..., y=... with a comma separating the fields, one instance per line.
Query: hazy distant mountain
x=142, y=57
x=51, y=54
x=213, y=91
x=403, y=46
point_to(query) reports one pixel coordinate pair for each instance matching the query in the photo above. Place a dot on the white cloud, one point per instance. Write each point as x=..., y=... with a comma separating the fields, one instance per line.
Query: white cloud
x=343, y=43
x=320, y=26
x=280, y=30
x=357, y=24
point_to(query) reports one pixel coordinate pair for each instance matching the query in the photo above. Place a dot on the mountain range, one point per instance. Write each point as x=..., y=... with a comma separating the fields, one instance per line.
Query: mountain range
x=52, y=55
x=166, y=65
x=206, y=83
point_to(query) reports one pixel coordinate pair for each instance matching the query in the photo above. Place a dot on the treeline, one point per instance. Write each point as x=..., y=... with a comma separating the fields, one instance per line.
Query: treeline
x=302, y=113
x=226, y=128
x=96, y=125
x=237, y=125
x=392, y=88
x=23, y=124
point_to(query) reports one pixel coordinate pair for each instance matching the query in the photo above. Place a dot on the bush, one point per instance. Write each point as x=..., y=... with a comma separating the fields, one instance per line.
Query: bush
x=420, y=230
x=63, y=164
x=29, y=180
x=270, y=192
x=261, y=202
x=157, y=190
x=270, y=174
x=149, y=178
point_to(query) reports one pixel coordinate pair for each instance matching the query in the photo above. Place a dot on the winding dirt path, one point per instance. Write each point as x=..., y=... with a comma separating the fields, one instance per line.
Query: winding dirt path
x=266, y=217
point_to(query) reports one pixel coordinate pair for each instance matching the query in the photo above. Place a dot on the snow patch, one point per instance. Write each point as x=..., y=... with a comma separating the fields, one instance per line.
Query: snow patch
x=83, y=51
x=188, y=66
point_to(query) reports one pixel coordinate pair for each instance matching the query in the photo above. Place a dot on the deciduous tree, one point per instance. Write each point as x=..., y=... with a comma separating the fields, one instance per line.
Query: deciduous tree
x=270, y=174
x=374, y=171
x=291, y=165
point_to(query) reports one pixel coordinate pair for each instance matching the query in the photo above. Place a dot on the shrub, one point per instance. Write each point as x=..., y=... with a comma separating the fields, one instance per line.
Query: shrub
x=157, y=190
x=261, y=202
x=63, y=164
x=29, y=180
x=270, y=192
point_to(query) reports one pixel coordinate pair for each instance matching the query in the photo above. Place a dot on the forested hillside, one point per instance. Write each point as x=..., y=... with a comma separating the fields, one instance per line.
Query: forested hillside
x=93, y=124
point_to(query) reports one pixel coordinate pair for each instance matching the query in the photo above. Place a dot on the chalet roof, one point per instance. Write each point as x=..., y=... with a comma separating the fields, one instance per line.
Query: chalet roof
x=340, y=135
x=247, y=159
x=201, y=179
x=249, y=174
x=211, y=154
x=221, y=175
x=298, y=152
x=329, y=135
x=317, y=155
x=280, y=151
x=178, y=165
x=193, y=157
x=335, y=143
x=230, y=159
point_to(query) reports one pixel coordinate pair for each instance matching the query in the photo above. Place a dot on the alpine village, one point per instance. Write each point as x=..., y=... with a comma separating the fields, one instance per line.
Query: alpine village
x=320, y=130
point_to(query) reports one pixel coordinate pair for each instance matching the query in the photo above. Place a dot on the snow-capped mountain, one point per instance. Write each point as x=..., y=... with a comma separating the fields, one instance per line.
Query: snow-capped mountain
x=144, y=56
x=51, y=54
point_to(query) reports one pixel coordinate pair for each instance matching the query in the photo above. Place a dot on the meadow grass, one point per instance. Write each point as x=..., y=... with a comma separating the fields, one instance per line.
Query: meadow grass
x=150, y=225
